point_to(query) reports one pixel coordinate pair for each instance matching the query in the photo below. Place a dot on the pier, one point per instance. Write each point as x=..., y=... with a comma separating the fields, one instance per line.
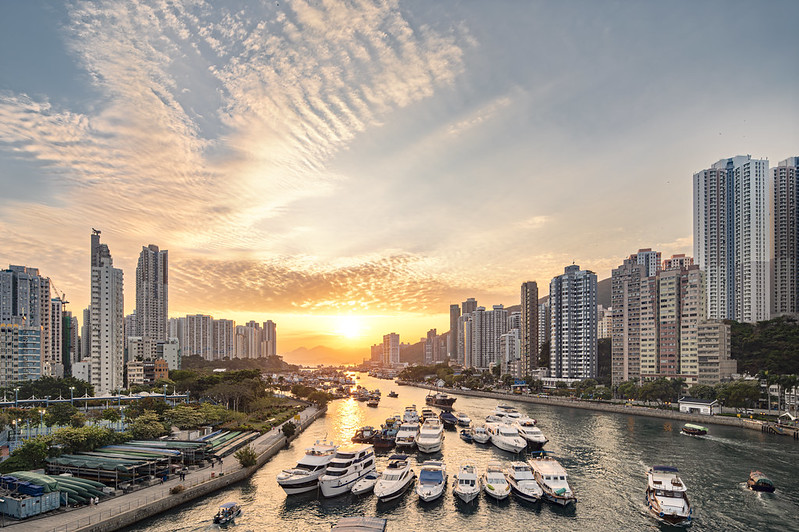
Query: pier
x=125, y=510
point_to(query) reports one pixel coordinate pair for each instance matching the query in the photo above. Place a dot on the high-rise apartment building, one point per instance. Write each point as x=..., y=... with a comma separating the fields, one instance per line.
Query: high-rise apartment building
x=224, y=339
x=452, y=339
x=469, y=306
x=270, y=339
x=785, y=190
x=544, y=323
x=152, y=294
x=20, y=351
x=391, y=348
x=732, y=237
x=70, y=348
x=431, y=355
x=198, y=333
x=106, y=351
x=677, y=261
x=55, y=367
x=529, y=327
x=25, y=294
x=714, y=341
x=573, y=342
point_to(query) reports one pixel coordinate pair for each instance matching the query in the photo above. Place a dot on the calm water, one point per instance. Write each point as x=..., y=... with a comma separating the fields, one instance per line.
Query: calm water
x=606, y=456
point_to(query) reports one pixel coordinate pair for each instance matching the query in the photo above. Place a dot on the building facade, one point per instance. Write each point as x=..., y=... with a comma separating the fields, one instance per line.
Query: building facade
x=391, y=349
x=152, y=294
x=785, y=190
x=529, y=328
x=573, y=341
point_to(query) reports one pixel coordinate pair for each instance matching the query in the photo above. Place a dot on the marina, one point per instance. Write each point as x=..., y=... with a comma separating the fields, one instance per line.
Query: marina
x=598, y=450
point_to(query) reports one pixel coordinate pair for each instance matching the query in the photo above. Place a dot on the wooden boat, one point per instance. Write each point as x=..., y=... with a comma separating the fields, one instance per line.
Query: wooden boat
x=364, y=435
x=227, y=513
x=759, y=482
x=694, y=430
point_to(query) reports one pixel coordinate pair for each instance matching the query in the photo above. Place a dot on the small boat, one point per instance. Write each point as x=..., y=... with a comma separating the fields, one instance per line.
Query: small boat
x=392, y=393
x=694, y=430
x=395, y=479
x=494, y=482
x=522, y=482
x=430, y=436
x=350, y=464
x=666, y=496
x=448, y=419
x=440, y=400
x=481, y=435
x=410, y=415
x=553, y=479
x=305, y=475
x=366, y=484
x=227, y=513
x=467, y=435
x=463, y=419
x=360, y=524
x=373, y=401
x=432, y=480
x=406, y=436
x=467, y=486
x=385, y=438
x=759, y=482
x=364, y=435
x=506, y=437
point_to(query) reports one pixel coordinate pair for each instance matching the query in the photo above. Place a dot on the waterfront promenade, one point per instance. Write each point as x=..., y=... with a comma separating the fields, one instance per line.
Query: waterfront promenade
x=116, y=512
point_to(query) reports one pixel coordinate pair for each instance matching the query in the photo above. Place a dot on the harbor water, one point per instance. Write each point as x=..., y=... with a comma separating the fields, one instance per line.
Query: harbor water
x=606, y=456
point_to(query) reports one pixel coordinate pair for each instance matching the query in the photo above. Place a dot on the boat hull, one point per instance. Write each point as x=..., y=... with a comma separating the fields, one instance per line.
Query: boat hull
x=675, y=519
x=521, y=493
x=428, y=448
x=387, y=497
x=295, y=488
x=466, y=496
x=757, y=487
x=508, y=446
x=431, y=494
x=340, y=486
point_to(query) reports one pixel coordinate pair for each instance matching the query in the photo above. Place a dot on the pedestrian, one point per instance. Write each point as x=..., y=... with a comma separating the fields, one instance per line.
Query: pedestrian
x=212, y=463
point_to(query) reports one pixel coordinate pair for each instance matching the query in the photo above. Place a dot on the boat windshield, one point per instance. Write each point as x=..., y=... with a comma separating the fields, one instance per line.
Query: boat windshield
x=391, y=477
x=430, y=477
x=340, y=465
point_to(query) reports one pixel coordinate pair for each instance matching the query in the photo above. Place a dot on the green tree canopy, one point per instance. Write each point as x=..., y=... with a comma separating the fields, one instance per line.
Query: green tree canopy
x=147, y=426
x=59, y=414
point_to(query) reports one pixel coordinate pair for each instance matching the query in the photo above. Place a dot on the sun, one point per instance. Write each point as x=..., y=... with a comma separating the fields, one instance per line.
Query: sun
x=349, y=326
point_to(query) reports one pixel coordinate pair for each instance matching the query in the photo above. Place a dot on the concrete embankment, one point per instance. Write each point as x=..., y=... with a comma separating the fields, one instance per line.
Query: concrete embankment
x=126, y=510
x=606, y=407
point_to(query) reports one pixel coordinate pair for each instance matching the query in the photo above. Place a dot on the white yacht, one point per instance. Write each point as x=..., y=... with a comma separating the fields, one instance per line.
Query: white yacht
x=467, y=486
x=532, y=434
x=522, y=482
x=553, y=480
x=350, y=464
x=432, y=480
x=428, y=412
x=463, y=419
x=395, y=479
x=366, y=484
x=506, y=437
x=305, y=475
x=430, y=436
x=481, y=435
x=494, y=482
x=406, y=435
x=410, y=415
x=667, y=497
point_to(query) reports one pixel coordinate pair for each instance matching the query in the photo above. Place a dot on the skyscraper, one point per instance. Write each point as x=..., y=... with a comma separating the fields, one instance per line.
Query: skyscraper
x=270, y=338
x=224, y=338
x=625, y=297
x=732, y=242
x=25, y=294
x=573, y=300
x=452, y=339
x=528, y=331
x=198, y=333
x=106, y=352
x=391, y=343
x=785, y=186
x=469, y=306
x=152, y=295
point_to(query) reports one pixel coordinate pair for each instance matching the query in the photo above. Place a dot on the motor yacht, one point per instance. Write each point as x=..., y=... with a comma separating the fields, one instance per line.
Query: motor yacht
x=430, y=436
x=395, y=479
x=463, y=419
x=426, y=413
x=522, y=482
x=494, y=482
x=532, y=434
x=349, y=465
x=406, y=436
x=481, y=435
x=432, y=480
x=441, y=400
x=304, y=476
x=467, y=486
x=448, y=419
x=666, y=496
x=552, y=479
x=366, y=484
x=506, y=437
x=410, y=415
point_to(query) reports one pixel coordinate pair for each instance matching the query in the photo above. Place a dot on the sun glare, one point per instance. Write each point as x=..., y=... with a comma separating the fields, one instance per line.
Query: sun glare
x=349, y=326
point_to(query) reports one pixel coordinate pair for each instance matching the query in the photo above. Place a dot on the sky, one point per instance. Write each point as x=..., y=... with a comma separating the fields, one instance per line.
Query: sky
x=351, y=168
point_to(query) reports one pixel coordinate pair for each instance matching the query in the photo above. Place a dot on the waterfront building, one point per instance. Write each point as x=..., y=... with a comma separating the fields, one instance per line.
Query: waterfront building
x=224, y=338
x=198, y=336
x=106, y=351
x=511, y=353
x=452, y=339
x=465, y=340
x=785, y=187
x=391, y=352
x=544, y=323
x=376, y=353
x=732, y=237
x=20, y=351
x=714, y=345
x=529, y=327
x=152, y=294
x=625, y=299
x=573, y=341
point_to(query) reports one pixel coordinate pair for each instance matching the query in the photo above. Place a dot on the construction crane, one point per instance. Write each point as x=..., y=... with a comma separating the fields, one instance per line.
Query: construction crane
x=60, y=295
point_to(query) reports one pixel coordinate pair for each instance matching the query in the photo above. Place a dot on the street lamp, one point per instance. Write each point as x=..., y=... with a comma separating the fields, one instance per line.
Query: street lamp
x=16, y=397
x=72, y=395
x=41, y=418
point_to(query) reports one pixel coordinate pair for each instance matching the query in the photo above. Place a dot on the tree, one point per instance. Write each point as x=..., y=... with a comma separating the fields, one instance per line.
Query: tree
x=184, y=417
x=146, y=427
x=77, y=420
x=111, y=414
x=320, y=398
x=59, y=414
x=289, y=429
x=543, y=355
x=246, y=456
x=702, y=391
x=628, y=390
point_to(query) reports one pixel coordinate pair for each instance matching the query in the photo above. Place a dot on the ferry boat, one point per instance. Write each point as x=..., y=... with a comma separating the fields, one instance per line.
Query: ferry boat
x=494, y=482
x=432, y=480
x=350, y=464
x=441, y=400
x=667, y=497
x=694, y=430
x=759, y=482
x=467, y=486
x=305, y=475
x=406, y=436
x=506, y=437
x=522, y=482
x=395, y=479
x=553, y=479
x=227, y=513
x=430, y=436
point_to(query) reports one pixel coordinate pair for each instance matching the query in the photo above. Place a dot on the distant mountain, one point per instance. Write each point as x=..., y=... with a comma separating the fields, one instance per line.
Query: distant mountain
x=603, y=292
x=325, y=355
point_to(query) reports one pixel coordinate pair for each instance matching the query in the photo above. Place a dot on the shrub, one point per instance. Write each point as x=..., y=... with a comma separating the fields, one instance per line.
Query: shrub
x=289, y=429
x=174, y=490
x=246, y=456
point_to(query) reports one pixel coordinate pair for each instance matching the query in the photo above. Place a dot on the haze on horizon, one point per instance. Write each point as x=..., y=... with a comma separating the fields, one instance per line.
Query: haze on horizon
x=348, y=169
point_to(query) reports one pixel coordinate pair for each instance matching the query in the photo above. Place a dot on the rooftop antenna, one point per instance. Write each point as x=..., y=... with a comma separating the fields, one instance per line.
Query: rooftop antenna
x=95, y=231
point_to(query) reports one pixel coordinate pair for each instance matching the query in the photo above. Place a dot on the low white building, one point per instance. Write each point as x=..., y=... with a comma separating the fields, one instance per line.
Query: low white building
x=691, y=405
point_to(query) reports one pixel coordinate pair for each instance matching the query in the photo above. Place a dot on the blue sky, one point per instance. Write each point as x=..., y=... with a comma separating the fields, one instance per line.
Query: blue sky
x=305, y=160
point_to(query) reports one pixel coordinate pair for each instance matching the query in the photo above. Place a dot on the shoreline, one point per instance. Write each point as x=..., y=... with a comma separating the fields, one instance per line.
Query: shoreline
x=635, y=410
x=126, y=510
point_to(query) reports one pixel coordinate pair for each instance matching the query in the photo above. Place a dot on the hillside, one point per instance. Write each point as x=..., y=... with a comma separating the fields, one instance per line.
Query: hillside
x=771, y=345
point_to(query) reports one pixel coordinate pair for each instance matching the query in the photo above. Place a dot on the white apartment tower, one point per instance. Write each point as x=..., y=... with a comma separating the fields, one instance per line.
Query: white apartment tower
x=198, y=333
x=573, y=342
x=391, y=355
x=152, y=295
x=732, y=237
x=106, y=351
x=224, y=339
